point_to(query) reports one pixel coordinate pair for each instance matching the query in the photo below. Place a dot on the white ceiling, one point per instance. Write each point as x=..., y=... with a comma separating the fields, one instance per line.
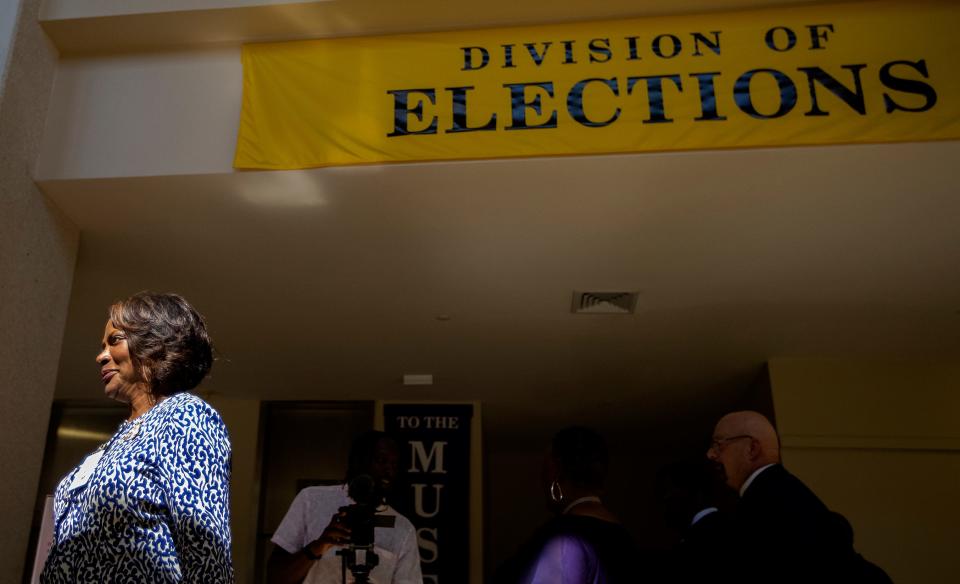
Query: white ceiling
x=327, y=284
x=96, y=26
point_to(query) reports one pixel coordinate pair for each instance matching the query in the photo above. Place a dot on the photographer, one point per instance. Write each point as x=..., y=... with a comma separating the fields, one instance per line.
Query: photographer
x=316, y=527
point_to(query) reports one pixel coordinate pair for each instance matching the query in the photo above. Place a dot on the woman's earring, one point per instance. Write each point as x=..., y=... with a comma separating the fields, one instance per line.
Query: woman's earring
x=556, y=493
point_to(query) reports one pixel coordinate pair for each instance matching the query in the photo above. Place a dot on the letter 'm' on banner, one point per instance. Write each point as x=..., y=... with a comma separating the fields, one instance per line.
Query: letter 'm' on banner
x=420, y=461
x=436, y=492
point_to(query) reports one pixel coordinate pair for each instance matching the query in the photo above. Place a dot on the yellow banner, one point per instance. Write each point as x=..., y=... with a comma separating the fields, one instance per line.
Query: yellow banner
x=847, y=73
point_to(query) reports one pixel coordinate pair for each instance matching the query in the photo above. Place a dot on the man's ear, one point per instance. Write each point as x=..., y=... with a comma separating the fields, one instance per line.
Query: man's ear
x=755, y=449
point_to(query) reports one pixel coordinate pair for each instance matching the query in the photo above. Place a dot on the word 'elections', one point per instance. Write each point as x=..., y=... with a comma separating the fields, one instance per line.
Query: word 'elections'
x=533, y=105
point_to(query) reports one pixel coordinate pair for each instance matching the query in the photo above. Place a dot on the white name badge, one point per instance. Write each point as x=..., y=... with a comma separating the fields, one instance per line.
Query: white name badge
x=86, y=470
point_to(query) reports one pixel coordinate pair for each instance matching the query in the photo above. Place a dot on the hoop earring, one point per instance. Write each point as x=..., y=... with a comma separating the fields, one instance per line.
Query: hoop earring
x=556, y=493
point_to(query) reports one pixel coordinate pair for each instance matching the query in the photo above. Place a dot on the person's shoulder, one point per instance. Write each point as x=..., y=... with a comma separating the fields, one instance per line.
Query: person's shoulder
x=323, y=495
x=187, y=407
x=567, y=523
x=401, y=522
x=324, y=491
x=187, y=414
x=777, y=493
x=772, y=478
x=791, y=483
x=570, y=545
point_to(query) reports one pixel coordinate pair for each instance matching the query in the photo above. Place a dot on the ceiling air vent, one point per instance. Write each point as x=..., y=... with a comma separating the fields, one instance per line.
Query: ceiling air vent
x=604, y=302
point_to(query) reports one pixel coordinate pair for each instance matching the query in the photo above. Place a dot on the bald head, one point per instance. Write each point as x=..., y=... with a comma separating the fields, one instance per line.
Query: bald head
x=743, y=442
x=757, y=426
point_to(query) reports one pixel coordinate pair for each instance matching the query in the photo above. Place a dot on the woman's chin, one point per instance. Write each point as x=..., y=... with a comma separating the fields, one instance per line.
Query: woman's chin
x=111, y=391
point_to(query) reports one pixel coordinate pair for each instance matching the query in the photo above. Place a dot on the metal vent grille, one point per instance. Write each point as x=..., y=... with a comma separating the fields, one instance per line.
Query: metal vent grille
x=604, y=302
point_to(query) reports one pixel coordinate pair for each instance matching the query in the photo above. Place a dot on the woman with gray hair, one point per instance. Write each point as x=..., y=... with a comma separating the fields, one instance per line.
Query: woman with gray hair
x=152, y=503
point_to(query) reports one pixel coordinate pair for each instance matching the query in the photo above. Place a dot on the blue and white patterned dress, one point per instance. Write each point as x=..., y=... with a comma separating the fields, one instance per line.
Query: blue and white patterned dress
x=155, y=509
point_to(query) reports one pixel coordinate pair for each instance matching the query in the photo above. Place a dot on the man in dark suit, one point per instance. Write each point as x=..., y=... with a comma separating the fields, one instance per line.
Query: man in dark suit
x=786, y=534
x=695, y=505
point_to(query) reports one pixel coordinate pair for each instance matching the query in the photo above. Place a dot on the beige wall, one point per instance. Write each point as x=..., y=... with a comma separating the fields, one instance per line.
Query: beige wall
x=60, y=9
x=242, y=417
x=38, y=248
x=102, y=107
x=879, y=441
x=8, y=20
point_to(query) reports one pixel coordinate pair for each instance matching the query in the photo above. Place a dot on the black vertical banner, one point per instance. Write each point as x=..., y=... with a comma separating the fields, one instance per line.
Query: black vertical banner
x=435, y=455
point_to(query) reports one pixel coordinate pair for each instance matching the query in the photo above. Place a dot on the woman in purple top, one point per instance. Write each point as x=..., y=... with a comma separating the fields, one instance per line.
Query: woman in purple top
x=584, y=543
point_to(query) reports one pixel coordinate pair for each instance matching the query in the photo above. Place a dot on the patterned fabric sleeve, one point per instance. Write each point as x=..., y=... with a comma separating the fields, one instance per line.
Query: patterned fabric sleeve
x=198, y=487
x=565, y=559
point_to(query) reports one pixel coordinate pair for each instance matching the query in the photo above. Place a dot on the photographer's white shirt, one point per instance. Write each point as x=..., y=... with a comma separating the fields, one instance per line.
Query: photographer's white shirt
x=309, y=515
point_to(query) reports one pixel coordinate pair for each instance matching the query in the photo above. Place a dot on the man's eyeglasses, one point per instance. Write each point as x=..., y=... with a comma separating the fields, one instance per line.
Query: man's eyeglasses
x=717, y=443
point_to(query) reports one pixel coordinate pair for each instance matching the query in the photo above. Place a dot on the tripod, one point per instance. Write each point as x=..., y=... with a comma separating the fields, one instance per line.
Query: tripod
x=360, y=560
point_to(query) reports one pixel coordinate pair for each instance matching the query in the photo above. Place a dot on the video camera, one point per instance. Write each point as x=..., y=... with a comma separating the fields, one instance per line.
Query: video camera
x=361, y=518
